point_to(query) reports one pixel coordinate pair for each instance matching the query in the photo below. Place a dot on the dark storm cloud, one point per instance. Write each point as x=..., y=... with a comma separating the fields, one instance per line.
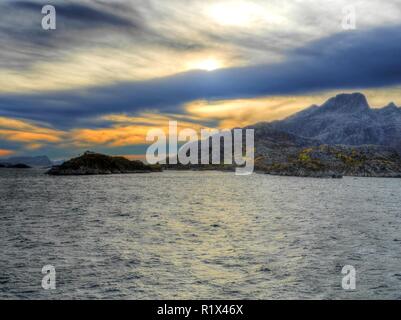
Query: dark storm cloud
x=89, y=16
x=343, y=61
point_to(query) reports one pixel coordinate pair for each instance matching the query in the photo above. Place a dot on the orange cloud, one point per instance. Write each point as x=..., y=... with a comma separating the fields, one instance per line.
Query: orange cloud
x=28, y=133
x=127, y=130
x=132, y=130
x=34, y=146
x=243, y=112
x=5, y=153
x=133, y=156
x=116, y=136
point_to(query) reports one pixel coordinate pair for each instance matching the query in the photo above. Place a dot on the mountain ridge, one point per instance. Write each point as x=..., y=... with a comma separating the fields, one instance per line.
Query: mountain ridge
x=346, y=119
x=36, y=161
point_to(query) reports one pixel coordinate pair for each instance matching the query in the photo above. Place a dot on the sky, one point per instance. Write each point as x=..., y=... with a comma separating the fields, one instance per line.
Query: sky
x=113, y=70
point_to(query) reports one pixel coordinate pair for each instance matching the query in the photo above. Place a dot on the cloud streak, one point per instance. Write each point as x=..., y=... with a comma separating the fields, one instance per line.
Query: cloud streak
x=30, y=135
x=364, y=59
x=102, y=42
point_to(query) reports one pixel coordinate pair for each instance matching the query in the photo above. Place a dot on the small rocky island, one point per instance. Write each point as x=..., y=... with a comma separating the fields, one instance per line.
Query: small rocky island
x=14, y=166
x=91, y=163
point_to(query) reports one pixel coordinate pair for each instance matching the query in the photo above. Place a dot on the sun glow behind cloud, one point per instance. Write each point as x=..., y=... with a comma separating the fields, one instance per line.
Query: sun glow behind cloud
x=164, y=39
x=207, y=65
x=92, y=68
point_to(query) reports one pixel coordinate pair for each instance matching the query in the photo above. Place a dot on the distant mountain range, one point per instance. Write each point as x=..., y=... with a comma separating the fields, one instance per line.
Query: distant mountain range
x=345, y=119
x=40, y=161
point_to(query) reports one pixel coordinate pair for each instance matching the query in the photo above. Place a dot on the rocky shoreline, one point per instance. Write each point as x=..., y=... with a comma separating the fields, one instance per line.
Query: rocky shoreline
x=283, y=158
x=331, y=161
x=283, y=154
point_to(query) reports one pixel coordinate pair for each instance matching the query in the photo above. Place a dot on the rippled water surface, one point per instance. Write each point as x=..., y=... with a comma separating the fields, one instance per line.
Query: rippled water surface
x=193, y=235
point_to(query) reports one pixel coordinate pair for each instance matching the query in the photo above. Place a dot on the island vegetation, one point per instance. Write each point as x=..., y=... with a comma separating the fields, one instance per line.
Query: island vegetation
x=91, y=163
